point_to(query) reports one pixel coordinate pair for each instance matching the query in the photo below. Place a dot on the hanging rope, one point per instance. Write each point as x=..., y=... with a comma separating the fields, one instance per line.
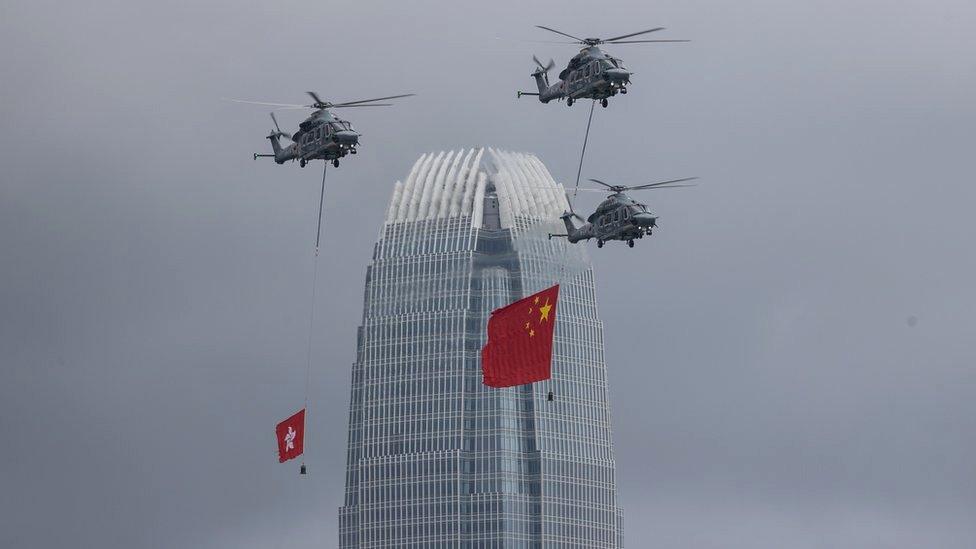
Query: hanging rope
x=318, y=230
x=311, y=314
x=586, y=138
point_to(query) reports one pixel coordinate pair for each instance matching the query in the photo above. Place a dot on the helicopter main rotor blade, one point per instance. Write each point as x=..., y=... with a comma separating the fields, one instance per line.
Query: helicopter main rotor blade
x=660, y=183
x=288, y=105
x=655, y=29
x=370, y=105
x=315, y=97
x=601, y=183
x=645, y=41
x=560, y=32
x=611, y=191
x=348, y=103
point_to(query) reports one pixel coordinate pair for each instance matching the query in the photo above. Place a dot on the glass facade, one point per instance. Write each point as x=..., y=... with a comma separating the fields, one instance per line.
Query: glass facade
x=435, y=458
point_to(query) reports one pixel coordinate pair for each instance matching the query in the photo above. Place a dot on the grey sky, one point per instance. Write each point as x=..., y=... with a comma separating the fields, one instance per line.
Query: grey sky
x=768, y=389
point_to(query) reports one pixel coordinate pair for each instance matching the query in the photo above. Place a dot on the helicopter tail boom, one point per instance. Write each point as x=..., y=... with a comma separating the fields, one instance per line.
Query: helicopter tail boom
x=573, y=233
x=275, y=144
x=542, y=83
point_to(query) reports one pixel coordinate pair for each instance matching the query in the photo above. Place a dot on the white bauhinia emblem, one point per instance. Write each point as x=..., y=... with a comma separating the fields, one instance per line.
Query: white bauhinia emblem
x=290, y=439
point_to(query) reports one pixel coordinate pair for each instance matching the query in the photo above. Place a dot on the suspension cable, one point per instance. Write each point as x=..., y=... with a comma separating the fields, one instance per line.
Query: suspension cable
x=586, y=138
x=311, y=314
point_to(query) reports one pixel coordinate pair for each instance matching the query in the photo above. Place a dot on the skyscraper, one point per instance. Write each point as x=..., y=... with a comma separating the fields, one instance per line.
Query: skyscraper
x=435, y=458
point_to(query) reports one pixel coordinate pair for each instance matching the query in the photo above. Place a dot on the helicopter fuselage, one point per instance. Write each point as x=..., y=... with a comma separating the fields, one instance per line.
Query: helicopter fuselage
x=321, y=136
x=619, y=217
x=591, y=74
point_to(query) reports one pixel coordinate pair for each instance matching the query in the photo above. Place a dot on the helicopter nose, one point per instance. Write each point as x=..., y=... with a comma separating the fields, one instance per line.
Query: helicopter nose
x=644, y=219
x=618, y=75
x=347, y=137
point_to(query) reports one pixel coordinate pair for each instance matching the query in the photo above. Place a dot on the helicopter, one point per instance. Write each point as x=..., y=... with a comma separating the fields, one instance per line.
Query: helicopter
x=619, y=217
x=591, y=74
x=321, y=135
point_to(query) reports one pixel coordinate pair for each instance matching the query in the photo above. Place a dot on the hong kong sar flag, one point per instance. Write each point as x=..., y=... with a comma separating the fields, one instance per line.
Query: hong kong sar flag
x=291, y=437
x=519, y=348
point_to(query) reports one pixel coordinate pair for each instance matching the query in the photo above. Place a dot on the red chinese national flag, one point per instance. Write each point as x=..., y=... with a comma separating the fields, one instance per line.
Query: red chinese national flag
x=519, y=348
x=291, y=437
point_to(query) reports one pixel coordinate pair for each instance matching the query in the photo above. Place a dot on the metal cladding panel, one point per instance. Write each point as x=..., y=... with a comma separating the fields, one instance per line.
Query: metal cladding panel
x=434, y=457
x=445, y=185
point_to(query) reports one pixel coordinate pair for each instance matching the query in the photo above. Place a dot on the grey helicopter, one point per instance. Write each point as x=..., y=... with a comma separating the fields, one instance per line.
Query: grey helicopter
x=591, y=74
x=619, y=217
x=322, y=135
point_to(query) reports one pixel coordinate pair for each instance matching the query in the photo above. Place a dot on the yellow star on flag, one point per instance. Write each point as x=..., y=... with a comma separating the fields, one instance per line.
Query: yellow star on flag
x=544, y=311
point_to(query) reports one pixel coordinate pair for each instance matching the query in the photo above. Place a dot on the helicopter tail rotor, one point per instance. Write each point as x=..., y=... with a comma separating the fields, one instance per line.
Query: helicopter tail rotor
x=278, y=132
x=571, y=212
x=543, y=69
